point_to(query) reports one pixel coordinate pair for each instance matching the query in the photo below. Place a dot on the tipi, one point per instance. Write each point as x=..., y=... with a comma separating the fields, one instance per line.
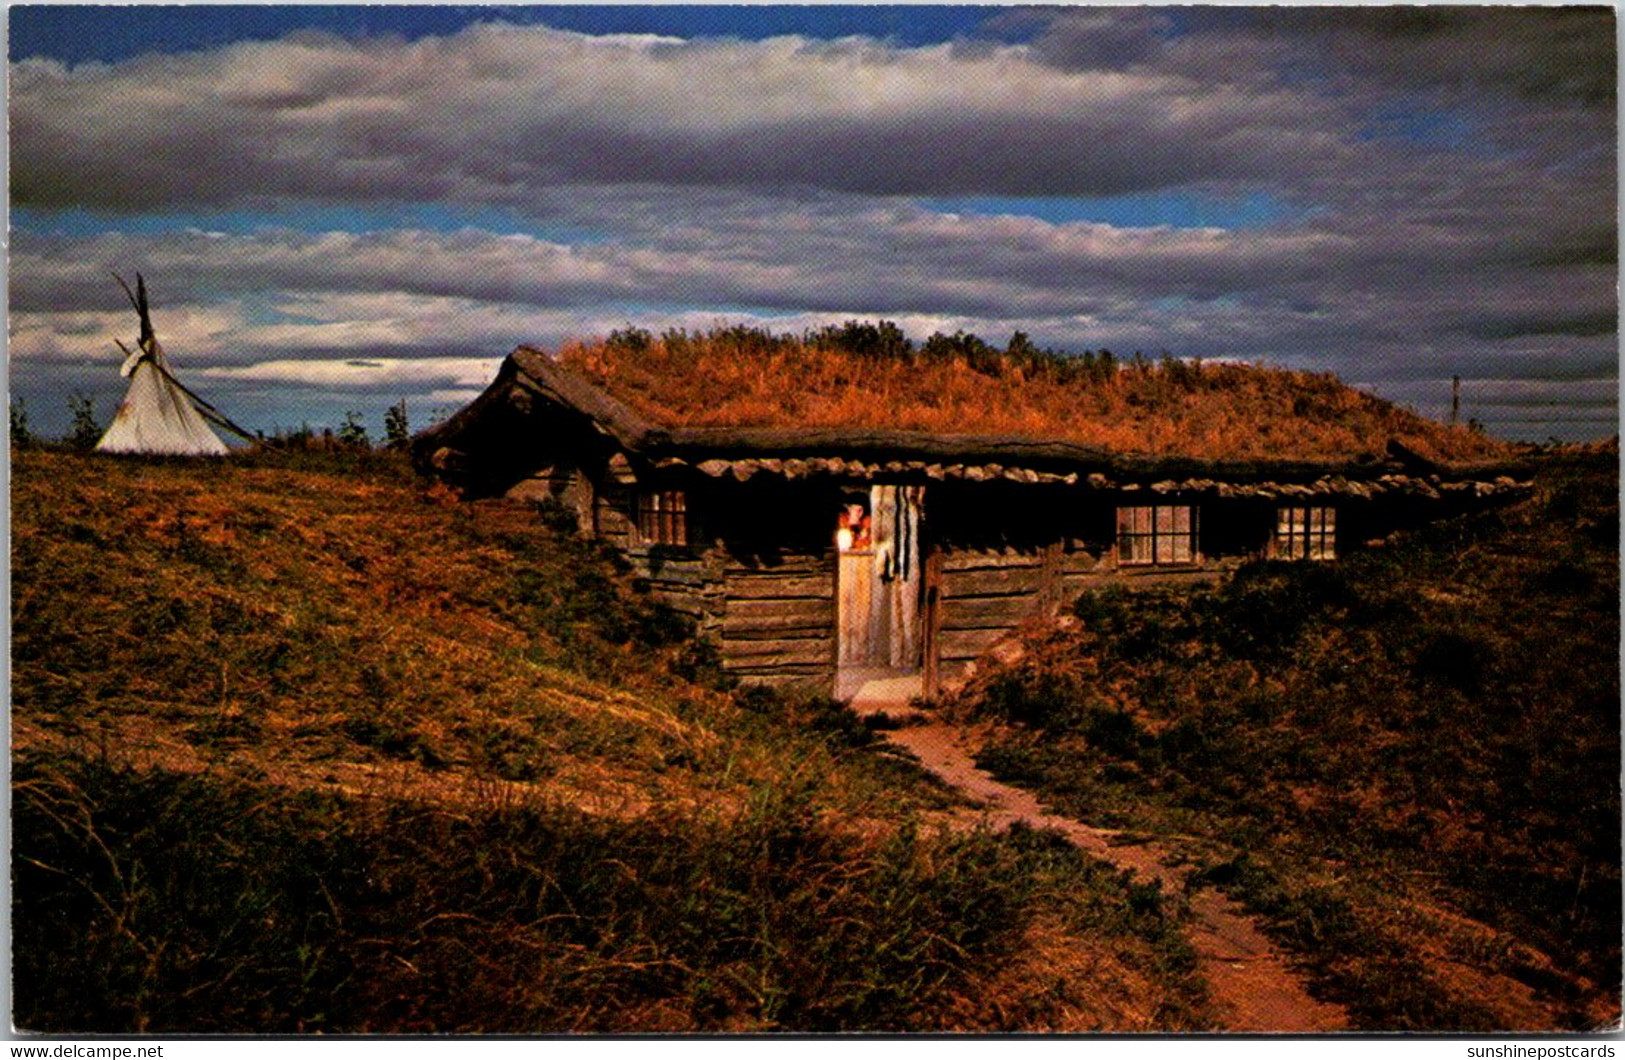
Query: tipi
x=158, y=415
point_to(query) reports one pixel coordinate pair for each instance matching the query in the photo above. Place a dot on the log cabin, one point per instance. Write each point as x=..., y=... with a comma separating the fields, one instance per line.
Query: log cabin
x=826, y=556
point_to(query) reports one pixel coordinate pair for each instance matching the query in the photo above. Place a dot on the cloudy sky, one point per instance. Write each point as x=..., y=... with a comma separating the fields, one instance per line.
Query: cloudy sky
x=336, y=208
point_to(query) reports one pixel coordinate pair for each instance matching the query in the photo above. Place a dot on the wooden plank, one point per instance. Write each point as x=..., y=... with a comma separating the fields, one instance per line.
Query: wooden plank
x=816, y=681
x=808, y=651
x=781, y=586
x=1007, y=582
x=989, y=612
x=813, y=612
x=770, y=629
x=980, y=559
x=930, y=647
x=688, y=605
x=855, y=609
x=964, y=644
x=758, y=619
x=690, y=572
x=1049, y=577
x=785, y=563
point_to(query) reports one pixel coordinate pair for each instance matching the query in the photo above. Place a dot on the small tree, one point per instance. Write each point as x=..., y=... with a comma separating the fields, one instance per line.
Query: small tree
x=397, y=433
x=85, y=432
x=353, y=432
x=21, y=435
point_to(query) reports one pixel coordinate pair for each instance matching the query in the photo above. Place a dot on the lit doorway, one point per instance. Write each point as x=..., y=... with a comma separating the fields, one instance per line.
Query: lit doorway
x=878, y=584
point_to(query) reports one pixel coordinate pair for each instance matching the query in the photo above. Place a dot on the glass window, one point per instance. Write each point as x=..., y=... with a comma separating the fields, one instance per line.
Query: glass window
x=1305, y=532
x=1156, y=534
x=663, y=518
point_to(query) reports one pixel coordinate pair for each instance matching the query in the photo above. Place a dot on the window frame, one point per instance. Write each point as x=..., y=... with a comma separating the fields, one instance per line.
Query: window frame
x=1162, y=540
x=661, y=518
x=1305, y=532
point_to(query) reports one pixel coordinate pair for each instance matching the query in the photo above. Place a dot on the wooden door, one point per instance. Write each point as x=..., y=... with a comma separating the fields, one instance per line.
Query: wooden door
x=854, y=608
x=878, y=584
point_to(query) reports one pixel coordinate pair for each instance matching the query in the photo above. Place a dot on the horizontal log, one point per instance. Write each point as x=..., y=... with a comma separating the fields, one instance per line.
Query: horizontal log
x=810, y=612
x=781, y=586
x=768, y=631
x=783, y=564
x=691, y=572
x=989, y=612
x=771, y=629
x=965, y=559
x=810, y=681
x=771, y=667
x=812, y=651
x=1007, y=582
x=963, y=644
x=684, y=605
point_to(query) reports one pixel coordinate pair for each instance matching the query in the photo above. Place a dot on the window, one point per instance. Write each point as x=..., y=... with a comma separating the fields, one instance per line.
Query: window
x=1156, y=534
x=663, y=518
x=1305, y=533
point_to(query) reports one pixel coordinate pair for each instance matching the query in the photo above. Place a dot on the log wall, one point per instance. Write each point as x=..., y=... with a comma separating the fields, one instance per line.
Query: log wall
x=778, y=623
x=985, y=593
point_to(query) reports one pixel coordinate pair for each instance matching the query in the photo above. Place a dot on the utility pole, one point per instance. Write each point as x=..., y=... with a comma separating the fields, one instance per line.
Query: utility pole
x=1455, y=399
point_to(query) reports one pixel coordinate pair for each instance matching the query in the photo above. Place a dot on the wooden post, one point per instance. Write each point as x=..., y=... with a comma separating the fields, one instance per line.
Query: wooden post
x=1049, y=579
x=930, y=639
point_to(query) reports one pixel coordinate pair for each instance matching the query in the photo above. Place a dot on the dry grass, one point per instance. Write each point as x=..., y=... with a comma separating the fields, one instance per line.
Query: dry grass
x=301, y=745
x=734, y=377
x=1408, y=761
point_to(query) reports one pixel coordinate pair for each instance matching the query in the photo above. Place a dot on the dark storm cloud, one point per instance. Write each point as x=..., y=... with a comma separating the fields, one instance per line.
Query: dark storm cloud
x=494, y=114
x=1447, y=179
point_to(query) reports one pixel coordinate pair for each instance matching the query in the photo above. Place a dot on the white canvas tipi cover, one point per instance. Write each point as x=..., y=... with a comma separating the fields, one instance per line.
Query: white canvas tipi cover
x=156, y=416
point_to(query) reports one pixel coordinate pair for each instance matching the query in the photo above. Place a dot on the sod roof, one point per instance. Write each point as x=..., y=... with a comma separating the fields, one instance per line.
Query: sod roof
x=718, y=382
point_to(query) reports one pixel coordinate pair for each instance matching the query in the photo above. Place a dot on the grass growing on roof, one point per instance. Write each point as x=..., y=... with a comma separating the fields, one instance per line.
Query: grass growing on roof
x=870, y=376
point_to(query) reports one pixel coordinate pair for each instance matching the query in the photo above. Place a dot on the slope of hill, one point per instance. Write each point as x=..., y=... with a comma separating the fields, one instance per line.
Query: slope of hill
x=303, y=745
x=870, y=376
x=1409, y=761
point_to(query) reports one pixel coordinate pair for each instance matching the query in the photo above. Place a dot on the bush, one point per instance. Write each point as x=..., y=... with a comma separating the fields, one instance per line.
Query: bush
x=84, y=431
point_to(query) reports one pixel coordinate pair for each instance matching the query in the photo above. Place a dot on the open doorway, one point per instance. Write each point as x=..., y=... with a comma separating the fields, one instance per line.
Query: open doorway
x=878, y=582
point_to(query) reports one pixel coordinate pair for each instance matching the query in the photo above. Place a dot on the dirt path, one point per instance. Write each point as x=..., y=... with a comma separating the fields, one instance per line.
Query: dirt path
x=1251, y=982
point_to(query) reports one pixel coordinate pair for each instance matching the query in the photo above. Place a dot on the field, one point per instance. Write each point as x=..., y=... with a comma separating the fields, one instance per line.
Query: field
x=302, y=744
x=1407, y=762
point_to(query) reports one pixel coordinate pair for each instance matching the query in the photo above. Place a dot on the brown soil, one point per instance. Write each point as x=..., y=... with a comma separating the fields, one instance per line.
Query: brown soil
x=1253, y=986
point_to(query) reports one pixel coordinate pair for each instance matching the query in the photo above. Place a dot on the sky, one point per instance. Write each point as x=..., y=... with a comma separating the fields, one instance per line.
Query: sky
x=338, y=208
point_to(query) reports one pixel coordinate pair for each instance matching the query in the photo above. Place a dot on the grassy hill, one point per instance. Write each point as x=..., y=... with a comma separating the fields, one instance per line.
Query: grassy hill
x=302, y=744
x=870, y=376
x=1408, y=761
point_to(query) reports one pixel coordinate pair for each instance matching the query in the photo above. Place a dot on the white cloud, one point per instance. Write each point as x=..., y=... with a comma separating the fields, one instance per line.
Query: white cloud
x=461, y=374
